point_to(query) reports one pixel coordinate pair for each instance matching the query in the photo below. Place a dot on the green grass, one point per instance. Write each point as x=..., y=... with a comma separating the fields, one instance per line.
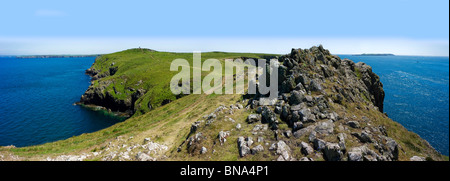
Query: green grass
x=153, y=69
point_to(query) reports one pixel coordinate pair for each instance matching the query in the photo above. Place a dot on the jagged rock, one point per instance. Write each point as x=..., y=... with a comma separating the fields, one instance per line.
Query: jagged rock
x=319, y=144
x=287, y=133
x=297, y=97
x=362, y=153
x=194, y=142
x=253, y=118
x=256, y=149
x=277, y=110
x=333, y=116
x=332, y=152
x=355, y=156
x=314, y=85
x=353, y=124
x=194, y=127
x=297, y=126
x=417, y=158
x=373, y=83
x=364, y=137
x=341, y=138
x=249, y=141
x=306, y=149
x=390, y=148
x=143, y=157
x=223, y=136
x=242, y=146
x=283, y=150
x=268, y=116
x=284, y=113
x=325, y=128
x=312, y=136
x=304, y=131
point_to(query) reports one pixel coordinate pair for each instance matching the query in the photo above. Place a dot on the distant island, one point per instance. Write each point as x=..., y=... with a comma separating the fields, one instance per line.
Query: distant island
x=57, y=56
x=374, y=54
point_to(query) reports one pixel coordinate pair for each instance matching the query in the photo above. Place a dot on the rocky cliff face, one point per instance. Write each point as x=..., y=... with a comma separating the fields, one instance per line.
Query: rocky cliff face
x=327, y=109
x=99, y=96
x=316, y=71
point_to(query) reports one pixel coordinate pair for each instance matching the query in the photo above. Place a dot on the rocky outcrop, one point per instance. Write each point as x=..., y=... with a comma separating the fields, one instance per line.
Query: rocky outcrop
x=327, y=109
x=100, y=94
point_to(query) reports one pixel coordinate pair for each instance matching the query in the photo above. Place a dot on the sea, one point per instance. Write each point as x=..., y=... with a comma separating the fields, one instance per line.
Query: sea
x=416, y=94
x=37, y=97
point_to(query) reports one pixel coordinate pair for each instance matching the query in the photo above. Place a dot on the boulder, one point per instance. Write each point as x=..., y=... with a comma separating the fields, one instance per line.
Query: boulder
x=203, y=150
x=296, y=126
x=362, y=153
x=283, y=150
x=242, y=146
x=314, y=85
x=268, y=116
x=363, y=137
x=319, y=144
x=391, y=148
x=355, y=156
x=306, y=149
x=297, y=97
x=325, y=128
x=223, y=136
x=252, y=118
x=353, y=124
x=332, y=152
x=257, y=149
x=238, y=126
x=417, y=158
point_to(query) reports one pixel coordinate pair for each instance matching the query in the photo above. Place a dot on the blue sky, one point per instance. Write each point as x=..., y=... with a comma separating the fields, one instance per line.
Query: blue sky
x=58, y=27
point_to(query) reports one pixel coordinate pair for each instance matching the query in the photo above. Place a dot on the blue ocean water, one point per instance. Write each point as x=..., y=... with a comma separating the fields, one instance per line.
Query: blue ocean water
x=36, y=100
x=417, y=94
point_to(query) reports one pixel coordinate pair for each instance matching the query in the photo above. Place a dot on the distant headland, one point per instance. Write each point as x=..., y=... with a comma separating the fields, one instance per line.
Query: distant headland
x=56, y=56
x=374, y=54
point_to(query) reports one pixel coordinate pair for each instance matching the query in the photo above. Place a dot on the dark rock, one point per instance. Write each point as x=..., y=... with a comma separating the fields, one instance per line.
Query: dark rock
x=268, y=116
x=319, y=144
x=296, y=126
x=364, y=137
x=113, y=70
x=314, y=85
x=277, y=110
x=297, y=97
x=353, y=124
x=332, y=152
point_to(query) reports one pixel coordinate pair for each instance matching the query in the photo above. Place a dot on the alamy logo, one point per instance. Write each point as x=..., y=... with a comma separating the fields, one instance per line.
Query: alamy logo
x=262, y=77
